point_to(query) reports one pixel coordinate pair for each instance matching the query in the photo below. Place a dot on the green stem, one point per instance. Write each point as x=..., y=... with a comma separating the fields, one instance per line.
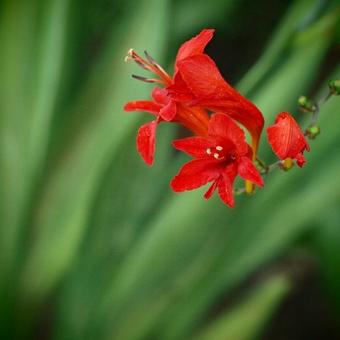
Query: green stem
x=316, y=110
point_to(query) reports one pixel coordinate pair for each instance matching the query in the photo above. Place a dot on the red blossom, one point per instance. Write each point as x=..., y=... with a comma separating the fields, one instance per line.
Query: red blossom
x=286, y=139
x=219, y=158
x=163, y=106
x=198, y=82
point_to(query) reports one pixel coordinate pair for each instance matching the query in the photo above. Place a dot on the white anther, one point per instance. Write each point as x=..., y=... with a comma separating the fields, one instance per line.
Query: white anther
x=219, y=148
x=208, y=151
x=129, y=55
x=216, y=155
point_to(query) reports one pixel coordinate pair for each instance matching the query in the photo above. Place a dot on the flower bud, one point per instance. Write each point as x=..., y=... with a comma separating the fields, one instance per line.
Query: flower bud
x=306, y=104
x=287, y=164
x=312, y=131
x=334, y=86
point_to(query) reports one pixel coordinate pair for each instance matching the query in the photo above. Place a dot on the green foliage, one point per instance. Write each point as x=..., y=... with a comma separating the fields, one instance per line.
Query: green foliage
x=93, y=238
x=253, y=312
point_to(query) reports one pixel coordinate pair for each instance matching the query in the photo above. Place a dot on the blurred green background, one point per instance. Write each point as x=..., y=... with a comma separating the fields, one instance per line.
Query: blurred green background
x=93, y=243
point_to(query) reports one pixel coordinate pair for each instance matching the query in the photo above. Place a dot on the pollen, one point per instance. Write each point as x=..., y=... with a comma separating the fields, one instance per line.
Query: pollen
x=219, y=148
x=208, y=151
x=216, y=155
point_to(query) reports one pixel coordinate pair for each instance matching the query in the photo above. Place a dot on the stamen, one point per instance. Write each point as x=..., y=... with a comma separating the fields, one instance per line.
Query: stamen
x=208, y=151
x=147, y=80
x=150, y=65
x=153, y=62
x=216, y=155
x=132, y=55
x=219, y=148
x=139, y=63
x=150, y=59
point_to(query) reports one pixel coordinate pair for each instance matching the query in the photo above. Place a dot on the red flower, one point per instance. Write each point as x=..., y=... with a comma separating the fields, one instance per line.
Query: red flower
x=198, y=82
x=286, y=139
x=219, y=158
x=164, y=107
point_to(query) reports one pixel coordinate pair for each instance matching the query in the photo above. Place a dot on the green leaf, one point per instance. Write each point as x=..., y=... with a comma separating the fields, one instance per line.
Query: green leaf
x=279, y=43
x=247, y=319
x=63, y=207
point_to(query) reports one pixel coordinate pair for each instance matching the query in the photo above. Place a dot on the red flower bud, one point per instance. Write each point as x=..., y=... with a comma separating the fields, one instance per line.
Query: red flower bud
x=287, y=139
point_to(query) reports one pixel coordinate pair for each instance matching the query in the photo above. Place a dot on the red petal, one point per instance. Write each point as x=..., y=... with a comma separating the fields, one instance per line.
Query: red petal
x=193, y=146
x=211, y=190
x=220, y=125
x=202, y=76
x=160, y=96
x=248, y=171
x=168, y=112
x=300, y=160
x=143, y=105
x=196, y=45
x=286, y=138
x=225, y=185
x=146, y=139
x=179, y=89
x=194, y=174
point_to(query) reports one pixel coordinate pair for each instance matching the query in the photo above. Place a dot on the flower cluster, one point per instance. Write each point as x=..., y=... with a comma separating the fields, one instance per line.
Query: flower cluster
x=200, y=99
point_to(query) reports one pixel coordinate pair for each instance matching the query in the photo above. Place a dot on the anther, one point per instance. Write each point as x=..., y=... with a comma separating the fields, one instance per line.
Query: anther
x=147, y=80
x=208, y=151
x=150, y=59
x=216, y=155
x=129, y=55
x=219, y=148
x=154, y=63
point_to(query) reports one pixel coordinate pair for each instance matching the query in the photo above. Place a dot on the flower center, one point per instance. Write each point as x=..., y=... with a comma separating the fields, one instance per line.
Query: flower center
x=151, y=65
x=216, y=152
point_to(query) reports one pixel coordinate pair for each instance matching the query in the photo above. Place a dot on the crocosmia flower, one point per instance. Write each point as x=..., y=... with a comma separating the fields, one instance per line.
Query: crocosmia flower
x=164, y=107
x=219, y=158
x=287, y=139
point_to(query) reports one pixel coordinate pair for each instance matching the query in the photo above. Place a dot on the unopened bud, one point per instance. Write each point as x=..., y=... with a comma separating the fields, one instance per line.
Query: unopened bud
x=313, y=131
x=287, y=164
x=334, y=86
x=249, y=187
x=306, y=104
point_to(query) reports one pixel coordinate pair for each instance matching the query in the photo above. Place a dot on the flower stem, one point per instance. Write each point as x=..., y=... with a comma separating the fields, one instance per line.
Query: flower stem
x=316, y=108
x=269, y=168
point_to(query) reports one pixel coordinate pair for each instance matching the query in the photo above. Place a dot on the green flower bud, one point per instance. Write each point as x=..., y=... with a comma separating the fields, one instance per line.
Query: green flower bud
x=334, y=86
x=313, y=131
x=306, y=104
